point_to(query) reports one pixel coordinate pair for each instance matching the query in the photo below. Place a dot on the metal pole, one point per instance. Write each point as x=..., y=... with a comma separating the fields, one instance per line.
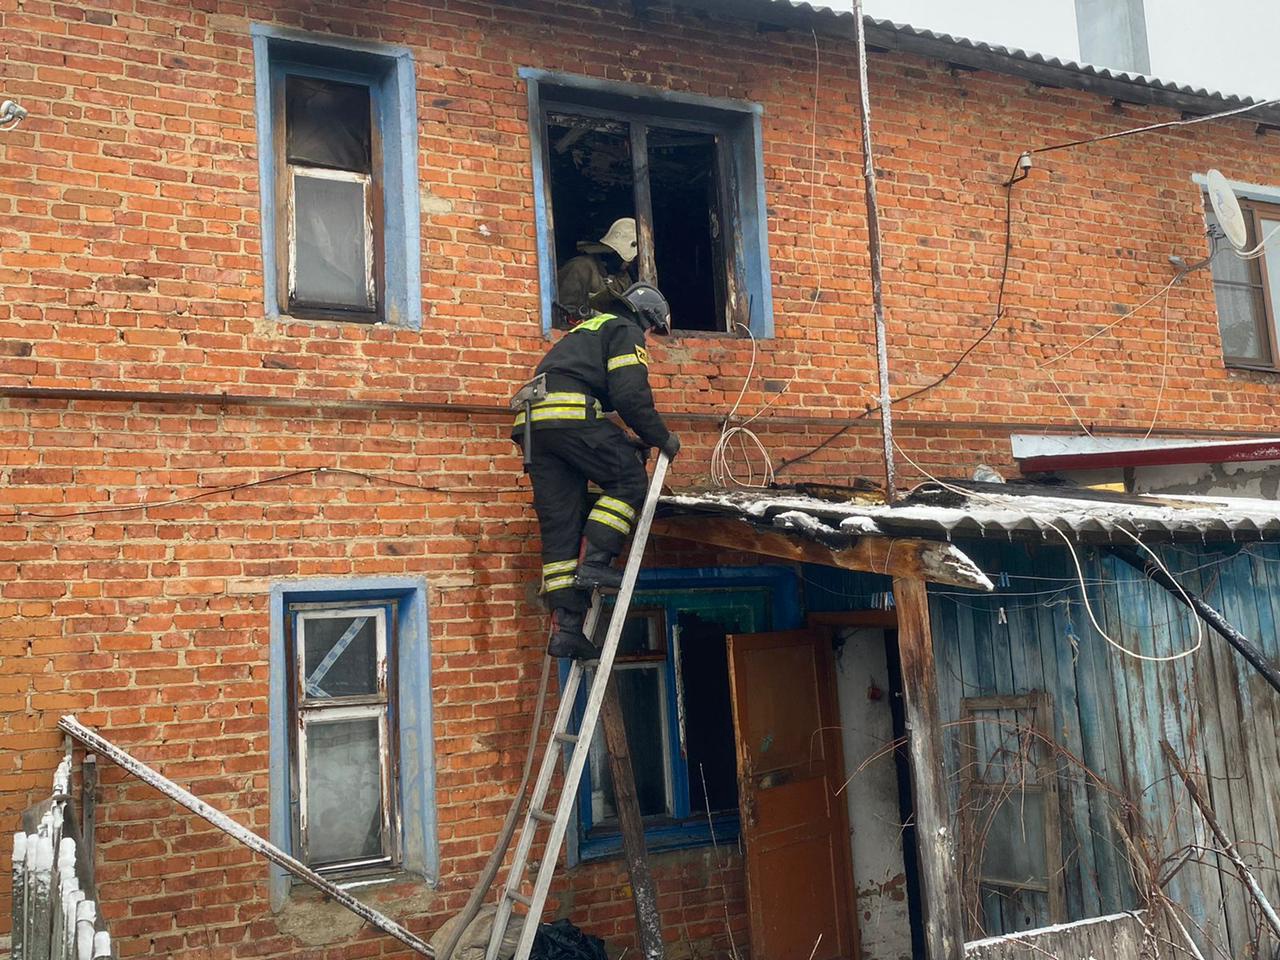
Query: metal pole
x=873, y=243
x=1206, y=613
x=1225, y=845
x=17, y=942
x=106, y=748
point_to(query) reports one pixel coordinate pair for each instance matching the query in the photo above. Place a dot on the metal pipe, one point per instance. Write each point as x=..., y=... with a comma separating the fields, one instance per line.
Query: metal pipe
x=1243, y=645
x=18, y=915
x=106, y=748
x=71, y=394
x=873, y=243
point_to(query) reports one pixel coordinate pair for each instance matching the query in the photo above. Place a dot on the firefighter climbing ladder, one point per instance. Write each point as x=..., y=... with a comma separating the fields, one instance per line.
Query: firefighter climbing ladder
x=580, y=743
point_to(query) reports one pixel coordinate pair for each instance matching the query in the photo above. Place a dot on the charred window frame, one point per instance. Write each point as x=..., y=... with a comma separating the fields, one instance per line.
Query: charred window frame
x=343, y=688
x=1011, y=844
x=338, y=176
x=1247, y=292
x=718, y=280
x=683, y=756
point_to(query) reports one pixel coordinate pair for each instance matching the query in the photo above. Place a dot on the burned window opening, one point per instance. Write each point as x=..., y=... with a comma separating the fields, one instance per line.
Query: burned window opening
x=670, y=181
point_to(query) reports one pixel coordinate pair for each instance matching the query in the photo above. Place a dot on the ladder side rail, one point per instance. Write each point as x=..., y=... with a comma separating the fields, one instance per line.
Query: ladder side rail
x=591, y=714
x=538, y=796
x=529, y=826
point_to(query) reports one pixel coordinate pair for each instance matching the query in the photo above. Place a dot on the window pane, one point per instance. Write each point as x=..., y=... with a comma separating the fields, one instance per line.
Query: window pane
x=330, y=242
x=1011, y=834
x=641, y=635
x=340, y=656
x=592, y=185
x=344, y=790
x=640, y=689
x=1239, y=309
x=327, y=124
x=1271, y=233
x=687, y=226
x=708, y=714
x=1226, y=265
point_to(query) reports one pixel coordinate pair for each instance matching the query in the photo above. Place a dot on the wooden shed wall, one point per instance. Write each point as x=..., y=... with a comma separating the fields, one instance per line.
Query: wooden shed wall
x=1111, y=709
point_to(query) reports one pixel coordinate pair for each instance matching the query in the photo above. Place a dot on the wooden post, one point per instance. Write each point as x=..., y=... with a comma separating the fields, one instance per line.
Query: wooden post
x=89, y=819
x=643, y=894
x=939, y=880
x=18, y=916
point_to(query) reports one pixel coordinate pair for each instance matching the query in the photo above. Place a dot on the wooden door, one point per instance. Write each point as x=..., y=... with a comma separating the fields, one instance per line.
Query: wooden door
x=794, y=825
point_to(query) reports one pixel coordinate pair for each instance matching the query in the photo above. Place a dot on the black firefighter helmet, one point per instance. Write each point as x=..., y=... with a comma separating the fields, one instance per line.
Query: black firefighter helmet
x=649, y=305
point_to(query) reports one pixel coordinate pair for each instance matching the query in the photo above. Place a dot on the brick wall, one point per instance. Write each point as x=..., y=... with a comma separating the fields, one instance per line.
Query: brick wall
x=130, y=261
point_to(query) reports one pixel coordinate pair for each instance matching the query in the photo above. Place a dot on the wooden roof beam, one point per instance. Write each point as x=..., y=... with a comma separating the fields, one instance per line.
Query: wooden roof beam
x=909, y=558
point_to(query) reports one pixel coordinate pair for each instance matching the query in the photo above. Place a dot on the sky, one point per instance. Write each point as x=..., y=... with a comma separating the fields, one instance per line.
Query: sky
x=1223, y=45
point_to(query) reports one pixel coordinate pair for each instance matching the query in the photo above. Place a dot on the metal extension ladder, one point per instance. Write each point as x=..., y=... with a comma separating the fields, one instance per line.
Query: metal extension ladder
x=580, y=742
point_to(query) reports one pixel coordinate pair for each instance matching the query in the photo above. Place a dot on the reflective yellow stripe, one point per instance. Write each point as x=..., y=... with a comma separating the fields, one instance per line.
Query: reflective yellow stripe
x=617, y=506
x=559, y=399
x=557, y=583
x=593, y=323
x=559, y=566
x=609, y=520
x=625, y=360
x=563, y=406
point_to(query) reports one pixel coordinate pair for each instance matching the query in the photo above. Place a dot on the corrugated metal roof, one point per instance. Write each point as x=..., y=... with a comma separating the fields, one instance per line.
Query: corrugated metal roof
x=1054, y=71
x=1021, y=511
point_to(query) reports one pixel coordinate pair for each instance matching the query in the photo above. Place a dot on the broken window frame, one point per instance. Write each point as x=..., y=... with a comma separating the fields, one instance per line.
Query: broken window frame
x=1259, y=286
x=305, y=710
x=654, y=660
x=285, y=221
x=744, y=226
x=730, y=303
x=771, y=594
x=1040, y=705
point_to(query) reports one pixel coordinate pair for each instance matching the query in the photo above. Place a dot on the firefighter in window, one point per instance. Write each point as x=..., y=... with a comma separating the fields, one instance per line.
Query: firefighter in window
x=598, y=366
x=600, y=268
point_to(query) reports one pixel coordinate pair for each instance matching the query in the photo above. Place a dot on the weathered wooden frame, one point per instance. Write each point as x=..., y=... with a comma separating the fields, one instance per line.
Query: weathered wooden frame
x=1040, y=704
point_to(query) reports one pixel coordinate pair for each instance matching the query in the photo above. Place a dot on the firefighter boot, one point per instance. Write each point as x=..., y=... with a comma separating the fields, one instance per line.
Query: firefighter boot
x=595, y=570
x=567, y=638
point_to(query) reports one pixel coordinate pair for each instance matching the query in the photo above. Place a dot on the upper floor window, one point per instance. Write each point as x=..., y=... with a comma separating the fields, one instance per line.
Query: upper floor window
x=1248, y=291
x=687, y=170
x=337, y=133
x=330, y=186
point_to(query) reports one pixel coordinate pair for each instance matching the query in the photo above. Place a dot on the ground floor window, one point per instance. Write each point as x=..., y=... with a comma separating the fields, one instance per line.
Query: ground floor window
x=351, y=751
x=672, y=676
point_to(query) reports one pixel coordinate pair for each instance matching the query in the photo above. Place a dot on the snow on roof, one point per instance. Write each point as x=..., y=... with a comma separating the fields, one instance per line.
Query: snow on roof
x=1007, y=511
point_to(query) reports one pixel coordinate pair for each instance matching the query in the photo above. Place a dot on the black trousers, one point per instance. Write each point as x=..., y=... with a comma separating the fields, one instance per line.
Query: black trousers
x=564, y=459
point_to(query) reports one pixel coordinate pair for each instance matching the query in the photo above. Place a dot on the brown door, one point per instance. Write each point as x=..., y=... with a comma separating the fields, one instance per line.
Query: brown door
x=794, y=824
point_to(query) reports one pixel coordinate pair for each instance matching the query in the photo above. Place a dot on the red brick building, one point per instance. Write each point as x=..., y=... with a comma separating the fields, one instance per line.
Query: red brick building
x=270, y=274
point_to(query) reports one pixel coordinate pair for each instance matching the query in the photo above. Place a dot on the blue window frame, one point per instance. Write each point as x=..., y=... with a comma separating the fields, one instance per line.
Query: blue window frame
x=696, y=192
x=348, y=204
x=682, y=746
x=350, y=729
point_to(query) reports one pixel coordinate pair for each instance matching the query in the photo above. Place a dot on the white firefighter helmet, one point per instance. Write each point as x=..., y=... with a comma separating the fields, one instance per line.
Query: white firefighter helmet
x=621, y=238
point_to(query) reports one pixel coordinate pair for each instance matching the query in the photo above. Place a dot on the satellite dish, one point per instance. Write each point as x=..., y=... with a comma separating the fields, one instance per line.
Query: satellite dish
x=1227, y=209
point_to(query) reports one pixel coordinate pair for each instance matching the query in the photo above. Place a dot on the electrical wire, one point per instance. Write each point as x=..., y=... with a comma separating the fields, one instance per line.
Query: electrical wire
x=1017, y=176
x=749, y=444
x=1075, y=559
x=845, y=428
x=19, y=514
x=1156, y=126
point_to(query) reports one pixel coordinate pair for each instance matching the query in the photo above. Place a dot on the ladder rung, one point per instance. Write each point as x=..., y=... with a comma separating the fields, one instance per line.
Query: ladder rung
x=542, y=815
x=567, y=737
x=519, y=898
